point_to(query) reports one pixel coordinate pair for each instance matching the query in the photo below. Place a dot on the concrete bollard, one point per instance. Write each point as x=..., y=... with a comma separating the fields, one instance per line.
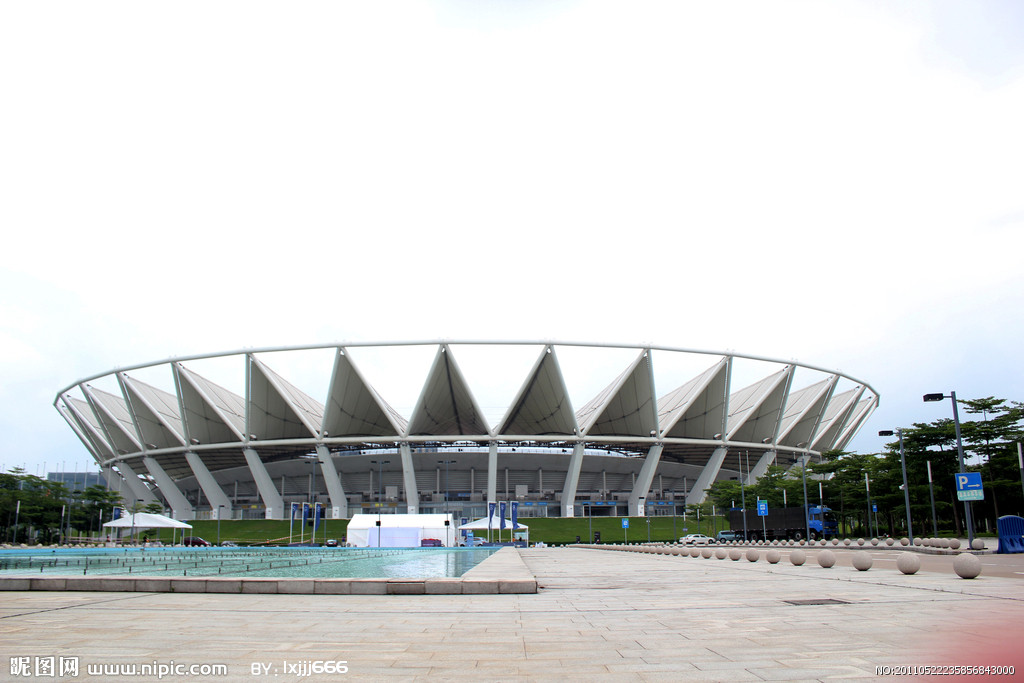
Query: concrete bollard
x=721, y=553
x=967, y=566
x=954, y=544
x=827, y=559
x=918, y=541
x=890, y=541
x=753, y=555
x=904, y=541
x=694, y=552
x=835, y=541
x=908, y=563
x=797, y=557
x=860, y=541
x=978, y=544
x=706, y=553
x=847, y=541
x=735, y=554
x=874, y=541
x=862, y=560
x=773, y=556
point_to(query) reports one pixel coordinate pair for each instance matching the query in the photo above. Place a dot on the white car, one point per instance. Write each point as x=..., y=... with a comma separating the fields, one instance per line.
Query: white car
x=696, y=539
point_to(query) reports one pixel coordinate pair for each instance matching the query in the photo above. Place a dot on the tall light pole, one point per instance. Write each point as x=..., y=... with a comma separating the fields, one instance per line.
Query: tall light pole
x=219, y=508
x=931, y=398
x=906, y=488
x=380, y=491
x=447, y=522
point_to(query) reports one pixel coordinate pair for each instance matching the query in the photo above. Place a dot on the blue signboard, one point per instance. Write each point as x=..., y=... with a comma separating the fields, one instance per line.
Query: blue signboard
x=874, y=507
x=762, y=508
x=625, y=522
x=968, y=486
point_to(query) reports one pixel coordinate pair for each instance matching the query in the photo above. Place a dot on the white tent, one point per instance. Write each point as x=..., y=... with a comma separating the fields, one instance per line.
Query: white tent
x=399, y=531
x=481, y=525
x=146, y=520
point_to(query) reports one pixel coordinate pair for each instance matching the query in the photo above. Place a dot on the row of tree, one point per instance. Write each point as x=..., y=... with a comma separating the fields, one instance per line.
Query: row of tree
x=35, y=510
x=990, y=432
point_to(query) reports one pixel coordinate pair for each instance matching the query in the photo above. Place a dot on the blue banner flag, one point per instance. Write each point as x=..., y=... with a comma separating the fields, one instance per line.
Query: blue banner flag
x=305, y=513
x=295, y=506
x=117, y=513
x=317, y=513
x=501, y=512
x=490, y=515
x=515, y=514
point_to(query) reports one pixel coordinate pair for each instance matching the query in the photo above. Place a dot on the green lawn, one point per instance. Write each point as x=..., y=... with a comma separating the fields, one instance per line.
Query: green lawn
x=550, y=530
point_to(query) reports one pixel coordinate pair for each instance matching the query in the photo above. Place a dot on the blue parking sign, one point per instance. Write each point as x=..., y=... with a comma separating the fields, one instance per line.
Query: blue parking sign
x=625, y=522
x=762, y=508
x=968, y=486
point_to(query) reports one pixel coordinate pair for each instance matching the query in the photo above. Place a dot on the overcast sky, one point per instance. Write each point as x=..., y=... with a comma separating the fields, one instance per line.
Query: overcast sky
x=836, y=183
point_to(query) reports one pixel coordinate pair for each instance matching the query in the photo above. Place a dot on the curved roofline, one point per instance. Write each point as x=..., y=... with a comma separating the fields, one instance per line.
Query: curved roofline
x=477, y=342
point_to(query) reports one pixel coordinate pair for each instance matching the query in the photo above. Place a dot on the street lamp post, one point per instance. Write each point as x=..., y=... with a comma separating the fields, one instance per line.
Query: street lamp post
x=931, y=398
x=219, y=508
x=447, y=532
x=906, y=488
x=380, y=490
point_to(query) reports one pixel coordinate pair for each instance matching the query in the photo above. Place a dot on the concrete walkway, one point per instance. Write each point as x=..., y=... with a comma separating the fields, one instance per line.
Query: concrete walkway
x=597, y=615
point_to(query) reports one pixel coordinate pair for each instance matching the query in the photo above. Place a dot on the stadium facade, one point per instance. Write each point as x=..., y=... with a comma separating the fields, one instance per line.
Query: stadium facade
x=260, y=444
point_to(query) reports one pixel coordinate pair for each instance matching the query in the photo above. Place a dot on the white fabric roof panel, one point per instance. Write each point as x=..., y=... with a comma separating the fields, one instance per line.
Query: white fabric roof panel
x=446, y=405
x=89, y=425
x=804, y=412
x=156, y=412
x=860, y=414
x=210, y=411
x=836, y=415
x=113, y=415
x=626, y=407
x=274, y=412
x=696, y=410
x=754, y=411
x=542, y=405
x=354, y=408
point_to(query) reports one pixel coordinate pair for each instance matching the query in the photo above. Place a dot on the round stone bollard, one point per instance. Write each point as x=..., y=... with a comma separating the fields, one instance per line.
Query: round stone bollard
x=797, y=557
x=721, y=553
x=827, y=559
x=753, y=555
x=874, y=541
x=835, y=541
x=860, y=541
x=735, y=554
x=847, y=541
x=694, y=552
x=967, y=566
x=823, y=542
x=918, y=541
x=908, y=563
x=978, y=544
x=890, y=541
x=954, y=544
x=706, y=553
x=862, y=560
x=773, y=556
x=904, y=541
x=943, y=542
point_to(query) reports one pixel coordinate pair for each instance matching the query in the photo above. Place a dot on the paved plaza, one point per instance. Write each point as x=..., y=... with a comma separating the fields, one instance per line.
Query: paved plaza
x=597, y=615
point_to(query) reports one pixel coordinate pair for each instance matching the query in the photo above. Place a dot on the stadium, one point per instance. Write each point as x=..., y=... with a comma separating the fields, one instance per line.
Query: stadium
x=565, y=429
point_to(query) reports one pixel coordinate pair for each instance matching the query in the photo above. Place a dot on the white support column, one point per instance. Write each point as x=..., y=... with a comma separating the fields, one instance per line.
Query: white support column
x=139, y=490
x=412, y=494
x=638, y=496
x=760, y=468
x=339, y=504
x=180, y=508
x=271, y=498
x=214, y=493
x=707, y=477
x=116, y=483
x=492, y=472
x=572, y=480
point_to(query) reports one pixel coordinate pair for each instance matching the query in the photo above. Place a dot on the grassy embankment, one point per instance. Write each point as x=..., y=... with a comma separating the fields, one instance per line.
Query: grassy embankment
x=547, y=529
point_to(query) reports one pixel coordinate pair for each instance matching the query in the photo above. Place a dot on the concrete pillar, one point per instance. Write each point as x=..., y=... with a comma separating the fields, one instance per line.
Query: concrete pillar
x=180, y=508
x=138, y=491
x=758, y=470
x=707, y=477
x=492, y=472
x=642, y=484
x=339, y=503
x=572, y=481
x=214, y=493
x=412, y=494
x=271, y=498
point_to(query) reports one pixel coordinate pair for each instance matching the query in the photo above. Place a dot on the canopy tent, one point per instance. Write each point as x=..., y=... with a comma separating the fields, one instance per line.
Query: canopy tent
x=399, y=531
x=146, y=520
x=481, y=524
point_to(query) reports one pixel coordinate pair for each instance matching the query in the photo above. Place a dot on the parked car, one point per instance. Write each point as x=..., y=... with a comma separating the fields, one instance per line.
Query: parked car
x=696, y=539
x=729, y=535
x=228, y=544
x=431, y=543
x=195, y=541
x=331, y=543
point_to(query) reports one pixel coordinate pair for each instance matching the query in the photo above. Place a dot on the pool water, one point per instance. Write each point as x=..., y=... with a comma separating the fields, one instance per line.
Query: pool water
x=369, y=563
